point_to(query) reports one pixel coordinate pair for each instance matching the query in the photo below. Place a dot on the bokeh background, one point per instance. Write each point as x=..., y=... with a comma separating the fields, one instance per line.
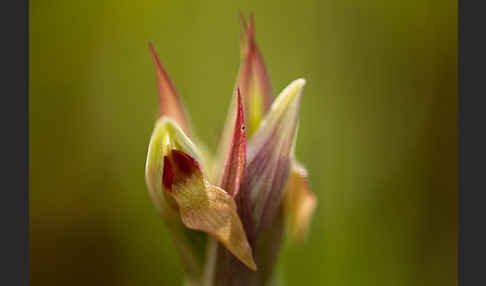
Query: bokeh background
x=378, y=132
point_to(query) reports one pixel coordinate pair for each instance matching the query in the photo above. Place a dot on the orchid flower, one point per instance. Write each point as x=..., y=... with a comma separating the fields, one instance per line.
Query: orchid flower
x=227, y=214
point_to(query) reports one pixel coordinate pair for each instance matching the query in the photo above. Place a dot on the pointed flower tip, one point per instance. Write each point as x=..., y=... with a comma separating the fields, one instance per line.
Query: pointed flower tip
x=170, y=104
x=243, y=21
x=287, y=97
x=295, y=87
x=253, y=79
x=301, y=81
x=158, y=64
x=248, y=27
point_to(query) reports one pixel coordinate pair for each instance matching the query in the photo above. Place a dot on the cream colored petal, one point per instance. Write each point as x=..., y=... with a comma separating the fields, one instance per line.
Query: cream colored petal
x=299, y=203
x=208, y=208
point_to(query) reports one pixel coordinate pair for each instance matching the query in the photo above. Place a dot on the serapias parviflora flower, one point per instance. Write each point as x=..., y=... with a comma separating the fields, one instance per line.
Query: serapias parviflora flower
x=256, y=173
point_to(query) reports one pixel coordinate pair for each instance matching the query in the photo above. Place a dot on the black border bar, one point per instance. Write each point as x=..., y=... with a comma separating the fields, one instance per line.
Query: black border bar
x=14, y=117
x=472, y=143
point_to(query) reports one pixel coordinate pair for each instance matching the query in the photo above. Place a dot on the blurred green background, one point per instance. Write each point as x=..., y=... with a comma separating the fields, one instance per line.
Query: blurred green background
x=378, y=132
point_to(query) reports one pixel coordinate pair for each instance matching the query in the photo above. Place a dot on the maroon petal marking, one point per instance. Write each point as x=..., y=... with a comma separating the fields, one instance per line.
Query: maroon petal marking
x=184, y=163
x=168, y=175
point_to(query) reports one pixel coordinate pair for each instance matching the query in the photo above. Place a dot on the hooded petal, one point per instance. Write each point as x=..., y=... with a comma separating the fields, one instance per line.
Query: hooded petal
x=269, y=154
x=166, y=136
x=179, y=189
x=170, y=103
x=299, y=202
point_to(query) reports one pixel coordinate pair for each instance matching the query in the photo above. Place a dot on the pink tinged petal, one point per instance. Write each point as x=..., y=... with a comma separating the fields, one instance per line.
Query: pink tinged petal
x=235, y=162
x=227, y=267
x=254, y=84
x=269, y=159
x=253, y=79
x=170, y=103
